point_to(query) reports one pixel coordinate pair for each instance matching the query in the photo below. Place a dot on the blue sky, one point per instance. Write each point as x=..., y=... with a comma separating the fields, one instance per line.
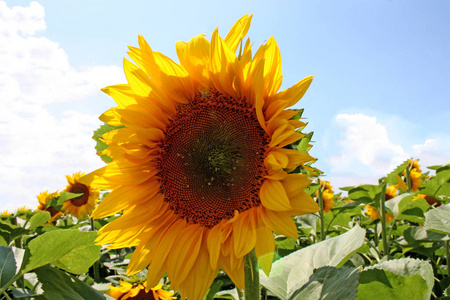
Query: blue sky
x=380, y=93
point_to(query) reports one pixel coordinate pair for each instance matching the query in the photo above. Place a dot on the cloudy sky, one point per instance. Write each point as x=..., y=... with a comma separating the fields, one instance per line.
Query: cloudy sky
x=380, y=93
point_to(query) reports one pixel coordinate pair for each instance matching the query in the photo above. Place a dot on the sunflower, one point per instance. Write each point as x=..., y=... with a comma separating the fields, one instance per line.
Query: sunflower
x=44, y=198
x=327, y=196
x=391, y=192
x=5, y=213
x=138, y=291
x=374, y=215
x=415, y=174
x=430, y=200
x=199, y=167
x=82, y=205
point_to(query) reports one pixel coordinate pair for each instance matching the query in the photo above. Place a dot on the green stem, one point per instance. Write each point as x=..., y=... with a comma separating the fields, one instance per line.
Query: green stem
x=240, y=294
x=251, y=269
x=6, y=296
x=383, y=220
x=447, y=252
x=408, y=178
x=322, y=225
x=96, y=265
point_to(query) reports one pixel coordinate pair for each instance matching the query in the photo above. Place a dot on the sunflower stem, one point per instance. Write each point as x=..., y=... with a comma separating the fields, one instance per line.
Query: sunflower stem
x=322, y=222
x=251, y=269
x=383, y=220
x=447, y=252
x=96, y=265
x=408, y=179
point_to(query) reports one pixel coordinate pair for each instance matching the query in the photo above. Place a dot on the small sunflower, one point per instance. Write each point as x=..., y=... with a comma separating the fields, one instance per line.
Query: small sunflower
x=327, y=196
x=82, y=205
x=200, y=164
x=415, y=174
x=43, y=199
x=391, y=192
x=374, y=215
x=5, y=213
x=139, y=291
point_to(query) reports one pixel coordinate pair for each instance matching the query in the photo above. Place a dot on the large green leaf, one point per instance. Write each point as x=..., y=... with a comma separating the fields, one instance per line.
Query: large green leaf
x=403, y=278
x=59, y=285
x=438, y=219
x=294, y=270
x=329, y=283
x=71, y=250
x=378, y=284
x=39, y=219
x=10, y=262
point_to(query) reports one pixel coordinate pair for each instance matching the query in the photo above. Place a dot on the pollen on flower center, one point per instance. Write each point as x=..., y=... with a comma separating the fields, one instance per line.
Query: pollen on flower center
x=212, y=159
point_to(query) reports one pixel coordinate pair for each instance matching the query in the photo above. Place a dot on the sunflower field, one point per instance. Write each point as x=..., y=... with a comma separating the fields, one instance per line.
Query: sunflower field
x=209, y=192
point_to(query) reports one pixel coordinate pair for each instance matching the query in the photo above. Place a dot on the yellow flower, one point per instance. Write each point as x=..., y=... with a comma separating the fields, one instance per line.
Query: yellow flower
x=415, y=174
x=23, y=208
x=5, y=213
x=139, y=290
x=82, y=205
x=391, y=192
x=199, y=170
x=327, y=196
x=374, y=215
x=43, y=199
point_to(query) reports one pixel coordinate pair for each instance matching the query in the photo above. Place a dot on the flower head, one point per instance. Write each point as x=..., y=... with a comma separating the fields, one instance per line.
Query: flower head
x=200, y=166
x=82, y=205
x=138, y=291
x=374, y=215
x=44, y=198
x=327, y=196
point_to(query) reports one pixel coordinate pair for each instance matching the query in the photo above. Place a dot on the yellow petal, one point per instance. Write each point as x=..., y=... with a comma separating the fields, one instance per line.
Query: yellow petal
x=244, y=233
x=296, y=92
x=273, y=196
x=238, y=32
x=265, y=248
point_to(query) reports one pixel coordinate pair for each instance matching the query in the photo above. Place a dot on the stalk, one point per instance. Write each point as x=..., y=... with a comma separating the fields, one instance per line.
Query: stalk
x=408, y=179
x=96, y=265
x=447, y=252
x=251, y=269
x=322, y=222
x=383, y=220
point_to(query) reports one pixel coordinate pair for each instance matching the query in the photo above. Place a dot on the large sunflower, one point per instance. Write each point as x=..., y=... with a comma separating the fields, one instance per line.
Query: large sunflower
x=80, y=206
x=200, y=167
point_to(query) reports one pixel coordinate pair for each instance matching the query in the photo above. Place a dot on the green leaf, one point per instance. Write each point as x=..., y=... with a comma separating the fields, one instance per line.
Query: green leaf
x=418, y=234
x=23, y=293
x=365, y=193
x=329, y=283
x=10, y=262
x=378, y=284
x=71, y=250
x=402, y=280
x=438, y=186
x=438, y=219
x=292, y=271
x=39, y=219
x=57, y=202
x=59, y=285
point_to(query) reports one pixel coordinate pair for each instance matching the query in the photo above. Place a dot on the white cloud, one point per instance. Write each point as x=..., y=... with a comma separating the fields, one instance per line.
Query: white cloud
x=38, y=145
x=364, y=141
x=367, y=153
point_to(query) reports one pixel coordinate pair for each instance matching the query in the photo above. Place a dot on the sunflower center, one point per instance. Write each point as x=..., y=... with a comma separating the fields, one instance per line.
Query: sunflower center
x=212, y=159
x=79, y=188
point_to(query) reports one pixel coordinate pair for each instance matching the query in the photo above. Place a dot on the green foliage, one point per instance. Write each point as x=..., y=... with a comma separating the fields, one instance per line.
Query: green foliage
x=10, y=262
x=438, y=219
x=291, y=272
x=329, y=283
x=71, y=250
x=59, y=285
